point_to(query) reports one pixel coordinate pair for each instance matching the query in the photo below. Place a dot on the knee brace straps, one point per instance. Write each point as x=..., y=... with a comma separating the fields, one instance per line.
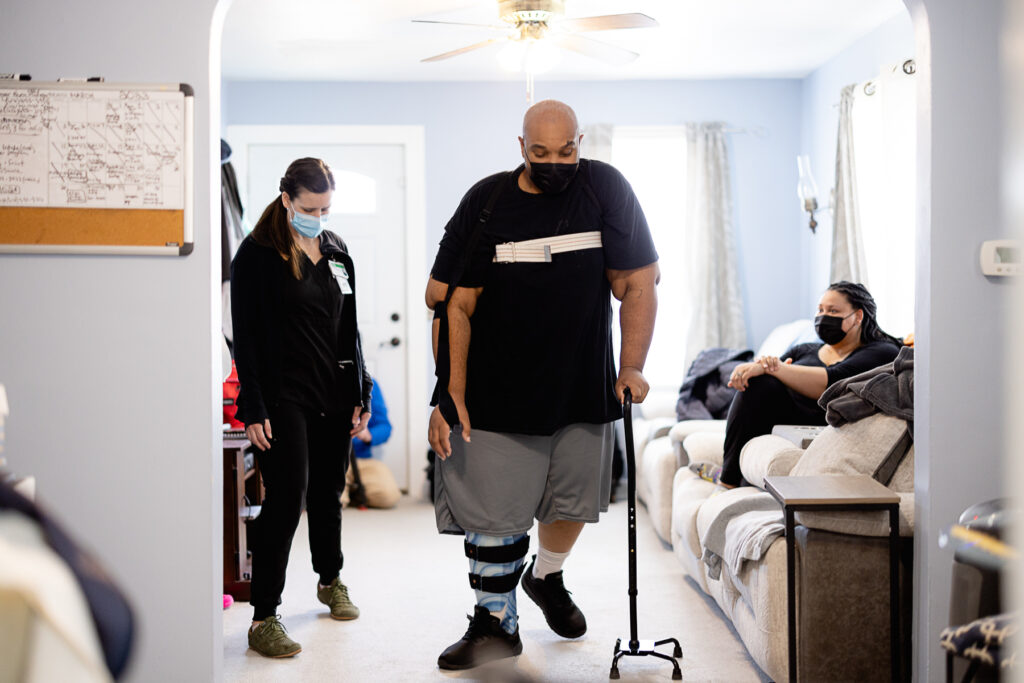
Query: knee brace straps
x=497, y=554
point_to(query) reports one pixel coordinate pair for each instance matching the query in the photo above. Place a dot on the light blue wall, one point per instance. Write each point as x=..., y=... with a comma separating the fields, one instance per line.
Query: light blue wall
x=111, y=363
x=891, y=43
x=471, y=131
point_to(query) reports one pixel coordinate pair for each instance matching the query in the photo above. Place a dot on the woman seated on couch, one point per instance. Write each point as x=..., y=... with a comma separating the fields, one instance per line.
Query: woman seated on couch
x=786, y=390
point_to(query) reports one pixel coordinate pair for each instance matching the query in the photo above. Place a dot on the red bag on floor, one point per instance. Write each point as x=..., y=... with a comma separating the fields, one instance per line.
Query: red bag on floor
x=230, y=394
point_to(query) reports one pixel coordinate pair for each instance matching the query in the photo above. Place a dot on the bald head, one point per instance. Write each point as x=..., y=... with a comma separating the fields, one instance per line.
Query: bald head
x=550, y=114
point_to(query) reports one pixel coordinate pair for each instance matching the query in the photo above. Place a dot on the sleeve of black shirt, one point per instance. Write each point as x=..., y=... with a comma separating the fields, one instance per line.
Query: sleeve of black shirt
x=245, y=314
x=451, y=252
x=625, y=235
x=799, y=351
x=862, y=359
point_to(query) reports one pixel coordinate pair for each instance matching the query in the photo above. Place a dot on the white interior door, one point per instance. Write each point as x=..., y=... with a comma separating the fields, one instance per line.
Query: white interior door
x=369, y=211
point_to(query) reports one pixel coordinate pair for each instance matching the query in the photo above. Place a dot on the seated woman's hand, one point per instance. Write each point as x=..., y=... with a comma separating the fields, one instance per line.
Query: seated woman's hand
x=742, y=374
x=771, y=363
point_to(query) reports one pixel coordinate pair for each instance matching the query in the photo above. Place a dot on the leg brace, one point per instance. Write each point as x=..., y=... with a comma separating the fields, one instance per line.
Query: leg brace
x=496, y=563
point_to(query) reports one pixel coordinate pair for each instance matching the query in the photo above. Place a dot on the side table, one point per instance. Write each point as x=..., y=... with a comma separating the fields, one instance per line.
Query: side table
x=837, y=493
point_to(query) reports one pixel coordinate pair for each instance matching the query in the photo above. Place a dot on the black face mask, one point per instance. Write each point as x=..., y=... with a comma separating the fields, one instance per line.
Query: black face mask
x=830, y=328
x=552, y=178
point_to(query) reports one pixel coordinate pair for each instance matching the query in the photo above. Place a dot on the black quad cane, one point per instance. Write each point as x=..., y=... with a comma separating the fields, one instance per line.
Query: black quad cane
x=637, y=647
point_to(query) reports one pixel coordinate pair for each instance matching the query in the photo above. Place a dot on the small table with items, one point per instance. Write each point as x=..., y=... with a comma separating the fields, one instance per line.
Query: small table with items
x=836, y=493
x=243, y=494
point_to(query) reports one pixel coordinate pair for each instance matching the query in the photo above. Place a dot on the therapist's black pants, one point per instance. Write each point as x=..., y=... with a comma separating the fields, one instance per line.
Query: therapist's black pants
x=307, y=460
x=766, y=402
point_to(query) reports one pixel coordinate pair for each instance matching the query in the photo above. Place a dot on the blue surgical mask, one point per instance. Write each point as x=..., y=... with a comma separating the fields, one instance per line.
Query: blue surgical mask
x=308, y=226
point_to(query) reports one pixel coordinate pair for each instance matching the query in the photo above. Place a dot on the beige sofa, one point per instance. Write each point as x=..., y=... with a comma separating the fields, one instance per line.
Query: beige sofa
x=842, y=561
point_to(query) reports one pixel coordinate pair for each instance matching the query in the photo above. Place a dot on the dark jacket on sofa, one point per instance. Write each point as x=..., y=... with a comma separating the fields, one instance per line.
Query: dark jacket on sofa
x=706, y=394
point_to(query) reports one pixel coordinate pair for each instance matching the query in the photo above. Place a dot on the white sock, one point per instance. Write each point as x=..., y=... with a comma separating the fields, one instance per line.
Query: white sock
x=547, y=562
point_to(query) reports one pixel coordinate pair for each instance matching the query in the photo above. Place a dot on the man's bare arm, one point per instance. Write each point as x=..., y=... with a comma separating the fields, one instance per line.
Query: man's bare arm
x=434, y=295
x=637, y=291
x=460, y=311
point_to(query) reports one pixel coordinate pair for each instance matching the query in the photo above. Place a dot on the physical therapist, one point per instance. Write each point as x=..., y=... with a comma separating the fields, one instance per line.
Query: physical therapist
x=304, y=390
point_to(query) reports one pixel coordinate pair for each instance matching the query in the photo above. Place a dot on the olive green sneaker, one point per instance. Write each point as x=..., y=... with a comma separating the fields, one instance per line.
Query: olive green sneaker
x=336, y=597
x=270, y=639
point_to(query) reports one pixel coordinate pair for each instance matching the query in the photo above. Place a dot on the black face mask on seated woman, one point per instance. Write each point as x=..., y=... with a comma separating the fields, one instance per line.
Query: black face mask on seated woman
x=830, y=328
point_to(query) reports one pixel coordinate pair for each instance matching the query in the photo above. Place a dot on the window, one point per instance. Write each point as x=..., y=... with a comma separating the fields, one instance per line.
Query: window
x=653, y=160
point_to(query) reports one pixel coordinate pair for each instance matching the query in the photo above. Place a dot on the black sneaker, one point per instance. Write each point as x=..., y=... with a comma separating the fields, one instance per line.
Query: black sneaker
x=561, y=613
x=485, y=641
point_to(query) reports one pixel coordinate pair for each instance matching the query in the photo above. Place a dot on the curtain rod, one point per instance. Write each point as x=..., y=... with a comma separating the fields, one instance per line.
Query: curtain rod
x=908, y=67
x=756, y=131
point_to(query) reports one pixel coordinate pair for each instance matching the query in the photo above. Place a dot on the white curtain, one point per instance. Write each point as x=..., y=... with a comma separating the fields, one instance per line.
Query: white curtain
x=597, y=142
x=716, y=303
x=884, y=141
x=848, y=261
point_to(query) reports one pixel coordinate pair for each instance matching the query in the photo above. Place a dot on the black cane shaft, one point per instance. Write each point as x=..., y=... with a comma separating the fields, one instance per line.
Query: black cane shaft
x=627, y=414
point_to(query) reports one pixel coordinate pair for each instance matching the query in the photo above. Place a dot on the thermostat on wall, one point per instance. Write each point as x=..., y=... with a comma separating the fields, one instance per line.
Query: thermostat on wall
x=1000, y=257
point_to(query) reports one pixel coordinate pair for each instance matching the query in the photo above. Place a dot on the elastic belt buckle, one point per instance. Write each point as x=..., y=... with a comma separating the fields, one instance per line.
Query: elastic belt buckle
x=506, y=259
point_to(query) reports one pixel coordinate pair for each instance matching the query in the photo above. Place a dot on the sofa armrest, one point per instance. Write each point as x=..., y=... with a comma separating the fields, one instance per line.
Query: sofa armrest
x=767, y=456
x=702, y=447
x=682, y=430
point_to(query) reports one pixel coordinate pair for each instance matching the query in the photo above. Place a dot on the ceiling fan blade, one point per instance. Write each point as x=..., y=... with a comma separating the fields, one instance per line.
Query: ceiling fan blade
x=495, y=27
x=608, y=22
x=595, y=49
x=463, y=50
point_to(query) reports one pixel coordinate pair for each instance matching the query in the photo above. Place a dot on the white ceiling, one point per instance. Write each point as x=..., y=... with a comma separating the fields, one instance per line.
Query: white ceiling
x=375, y=40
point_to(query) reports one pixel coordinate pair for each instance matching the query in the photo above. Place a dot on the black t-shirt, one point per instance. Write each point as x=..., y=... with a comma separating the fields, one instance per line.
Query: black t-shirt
x=312, y=316
x=540, y=355
x=861, y=359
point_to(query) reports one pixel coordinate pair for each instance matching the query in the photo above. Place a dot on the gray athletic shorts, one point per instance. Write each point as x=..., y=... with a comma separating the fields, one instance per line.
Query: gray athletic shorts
x=497, y=484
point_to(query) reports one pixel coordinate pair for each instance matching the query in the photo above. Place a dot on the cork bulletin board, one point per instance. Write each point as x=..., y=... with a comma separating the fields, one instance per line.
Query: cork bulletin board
x=100, y=168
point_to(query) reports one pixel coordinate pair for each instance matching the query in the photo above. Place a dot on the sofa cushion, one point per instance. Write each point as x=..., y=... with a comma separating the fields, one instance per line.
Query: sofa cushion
x=688, y=493
x=659, y=469
x=703, y=447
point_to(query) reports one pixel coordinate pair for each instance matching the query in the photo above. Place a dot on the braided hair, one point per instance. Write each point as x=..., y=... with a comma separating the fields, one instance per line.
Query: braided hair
x=859, y=297
x=272, y=230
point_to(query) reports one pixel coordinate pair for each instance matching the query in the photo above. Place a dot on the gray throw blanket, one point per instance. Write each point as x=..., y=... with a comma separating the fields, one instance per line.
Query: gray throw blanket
x=715, y=537
x=887, y=389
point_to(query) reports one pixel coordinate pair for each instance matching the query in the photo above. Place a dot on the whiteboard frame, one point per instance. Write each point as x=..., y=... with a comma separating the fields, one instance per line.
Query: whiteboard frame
x=188, y=158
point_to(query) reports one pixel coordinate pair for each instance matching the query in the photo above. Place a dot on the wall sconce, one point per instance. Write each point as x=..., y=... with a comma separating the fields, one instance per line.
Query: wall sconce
x=806, y=188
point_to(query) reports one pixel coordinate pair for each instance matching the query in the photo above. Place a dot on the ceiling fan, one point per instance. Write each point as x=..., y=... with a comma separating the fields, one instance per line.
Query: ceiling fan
x=532, y=22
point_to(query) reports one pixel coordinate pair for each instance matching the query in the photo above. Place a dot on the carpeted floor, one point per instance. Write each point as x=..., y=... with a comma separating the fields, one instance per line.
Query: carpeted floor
x=410, y=584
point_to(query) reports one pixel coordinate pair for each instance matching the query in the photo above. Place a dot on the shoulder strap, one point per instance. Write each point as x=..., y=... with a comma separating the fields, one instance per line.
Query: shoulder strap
x=474, y=236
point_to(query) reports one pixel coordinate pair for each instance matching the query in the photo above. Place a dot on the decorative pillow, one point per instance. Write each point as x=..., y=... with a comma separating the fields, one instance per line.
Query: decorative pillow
x=874, y=446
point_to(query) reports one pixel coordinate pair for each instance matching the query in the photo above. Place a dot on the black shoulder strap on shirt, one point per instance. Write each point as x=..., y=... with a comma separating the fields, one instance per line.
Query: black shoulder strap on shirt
x=474, y=236
x=441, y=369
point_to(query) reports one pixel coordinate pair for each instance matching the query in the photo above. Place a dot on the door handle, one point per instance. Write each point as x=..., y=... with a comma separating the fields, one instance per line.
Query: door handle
x=394, y=341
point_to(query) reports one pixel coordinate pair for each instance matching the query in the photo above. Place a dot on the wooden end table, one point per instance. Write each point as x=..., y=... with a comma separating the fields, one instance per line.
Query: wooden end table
x=838, y=493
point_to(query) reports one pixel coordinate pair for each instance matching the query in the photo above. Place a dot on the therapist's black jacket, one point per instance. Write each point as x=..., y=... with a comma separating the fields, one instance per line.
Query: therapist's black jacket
x=257, y=276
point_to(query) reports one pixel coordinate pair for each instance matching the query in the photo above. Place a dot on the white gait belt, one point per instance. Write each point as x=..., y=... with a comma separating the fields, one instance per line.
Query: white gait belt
x=540, y=250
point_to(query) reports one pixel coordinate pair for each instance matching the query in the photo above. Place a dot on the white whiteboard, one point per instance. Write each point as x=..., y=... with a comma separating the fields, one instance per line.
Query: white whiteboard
x=119, y=147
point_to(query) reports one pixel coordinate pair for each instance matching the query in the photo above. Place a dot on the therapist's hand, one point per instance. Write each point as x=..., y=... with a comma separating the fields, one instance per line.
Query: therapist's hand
x=439, y=434
x=259, y=435
x=359, y=420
